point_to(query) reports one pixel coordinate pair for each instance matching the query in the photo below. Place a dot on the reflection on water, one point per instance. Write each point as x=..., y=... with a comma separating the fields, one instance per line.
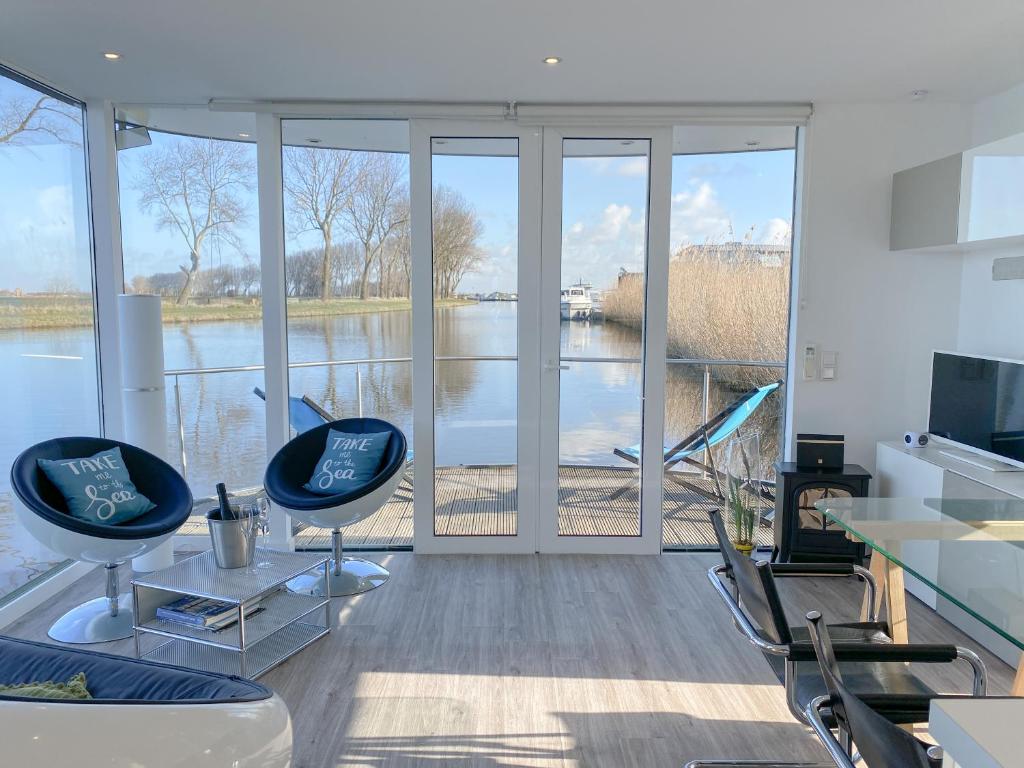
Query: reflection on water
x=224, y=426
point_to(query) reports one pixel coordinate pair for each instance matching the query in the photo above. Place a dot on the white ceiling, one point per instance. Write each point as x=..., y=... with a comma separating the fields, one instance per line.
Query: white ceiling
x=189, y=51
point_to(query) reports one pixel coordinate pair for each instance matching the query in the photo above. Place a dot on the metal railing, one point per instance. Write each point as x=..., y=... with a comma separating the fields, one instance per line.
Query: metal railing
x=706, y=363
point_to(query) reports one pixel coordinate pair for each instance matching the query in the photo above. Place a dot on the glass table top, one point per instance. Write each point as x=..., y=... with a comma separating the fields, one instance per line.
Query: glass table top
x=970, y=551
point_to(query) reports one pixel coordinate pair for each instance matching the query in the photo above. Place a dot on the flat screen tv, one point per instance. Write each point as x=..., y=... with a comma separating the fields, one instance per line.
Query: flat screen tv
x=978, y=403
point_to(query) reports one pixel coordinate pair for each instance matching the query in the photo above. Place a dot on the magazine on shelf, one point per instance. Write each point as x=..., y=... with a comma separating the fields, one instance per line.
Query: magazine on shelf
x=204, y=613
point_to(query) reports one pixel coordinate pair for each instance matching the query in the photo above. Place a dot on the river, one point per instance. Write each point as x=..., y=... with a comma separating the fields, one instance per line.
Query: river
x=223, y=421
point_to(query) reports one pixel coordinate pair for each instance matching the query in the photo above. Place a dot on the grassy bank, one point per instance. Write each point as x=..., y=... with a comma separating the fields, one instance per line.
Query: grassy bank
x=719, y=310
x=73, y=312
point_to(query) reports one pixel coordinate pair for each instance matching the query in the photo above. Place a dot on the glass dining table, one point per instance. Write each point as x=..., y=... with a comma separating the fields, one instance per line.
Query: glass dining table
x=969, y=551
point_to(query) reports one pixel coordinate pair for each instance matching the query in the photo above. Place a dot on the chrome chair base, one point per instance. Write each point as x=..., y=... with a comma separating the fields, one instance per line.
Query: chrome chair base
x=92, y=622
x=353, y=578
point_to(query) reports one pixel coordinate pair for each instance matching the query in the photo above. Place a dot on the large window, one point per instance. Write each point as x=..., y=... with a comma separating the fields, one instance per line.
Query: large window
x=347, y=273
x=47, y=336
x=190, y=233
x=728, y=307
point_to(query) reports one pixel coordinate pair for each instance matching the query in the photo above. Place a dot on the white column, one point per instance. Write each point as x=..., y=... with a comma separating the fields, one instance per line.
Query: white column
x=275, y=317
x=142, y=394
x=109, y=269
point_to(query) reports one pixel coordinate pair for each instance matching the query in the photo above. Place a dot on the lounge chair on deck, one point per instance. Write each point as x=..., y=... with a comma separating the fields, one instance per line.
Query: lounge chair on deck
x=706, y=436
x=305, y=414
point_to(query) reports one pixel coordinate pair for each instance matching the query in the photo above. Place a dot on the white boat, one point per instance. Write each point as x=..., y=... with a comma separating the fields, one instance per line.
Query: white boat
x=576, y=303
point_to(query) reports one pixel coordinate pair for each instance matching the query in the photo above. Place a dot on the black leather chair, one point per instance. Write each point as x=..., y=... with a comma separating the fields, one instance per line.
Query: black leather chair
x=880, y=743
x=42, y=511
x=292, y=467
x=749, y=591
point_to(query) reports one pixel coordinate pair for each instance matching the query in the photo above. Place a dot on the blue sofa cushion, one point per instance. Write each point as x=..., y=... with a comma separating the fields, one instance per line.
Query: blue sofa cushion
x=119, y=679
x=349, y=461
x=97, y=488
x=293, y=465
x=153, y=477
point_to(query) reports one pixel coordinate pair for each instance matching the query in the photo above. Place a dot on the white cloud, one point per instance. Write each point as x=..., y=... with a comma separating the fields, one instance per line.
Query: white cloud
x=773, y=231
x=596, y=250
x=698, y=216
x=633, y=166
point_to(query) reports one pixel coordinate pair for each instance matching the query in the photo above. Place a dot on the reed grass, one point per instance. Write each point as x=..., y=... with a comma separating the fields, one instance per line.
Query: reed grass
x=719, y=308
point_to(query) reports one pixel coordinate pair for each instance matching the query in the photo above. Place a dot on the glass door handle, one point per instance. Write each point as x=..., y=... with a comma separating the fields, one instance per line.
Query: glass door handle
x=553, y=367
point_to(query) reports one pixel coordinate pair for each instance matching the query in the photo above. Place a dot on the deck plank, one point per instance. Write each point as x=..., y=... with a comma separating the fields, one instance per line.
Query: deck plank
x=482, y=501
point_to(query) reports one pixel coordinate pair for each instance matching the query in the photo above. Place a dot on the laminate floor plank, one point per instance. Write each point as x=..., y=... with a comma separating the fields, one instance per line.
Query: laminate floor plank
x=546, y=661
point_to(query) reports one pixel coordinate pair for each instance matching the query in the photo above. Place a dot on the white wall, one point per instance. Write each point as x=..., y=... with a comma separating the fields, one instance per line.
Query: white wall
x=882, y=312
x=990, y=312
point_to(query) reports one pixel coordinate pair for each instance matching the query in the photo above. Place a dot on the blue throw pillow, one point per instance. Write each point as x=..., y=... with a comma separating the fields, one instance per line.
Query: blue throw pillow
x=349, y=461
x=97, y=488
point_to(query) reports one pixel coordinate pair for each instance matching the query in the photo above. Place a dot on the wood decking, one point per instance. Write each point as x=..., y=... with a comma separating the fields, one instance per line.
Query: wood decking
x=481, y=501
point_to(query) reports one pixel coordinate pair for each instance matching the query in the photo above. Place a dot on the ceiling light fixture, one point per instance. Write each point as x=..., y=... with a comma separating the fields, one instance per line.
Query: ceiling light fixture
x=552, y=60
x=111, y=55
x=243, y=135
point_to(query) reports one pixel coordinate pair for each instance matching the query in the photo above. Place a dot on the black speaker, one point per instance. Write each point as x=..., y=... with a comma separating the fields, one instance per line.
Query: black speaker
x=823, y=452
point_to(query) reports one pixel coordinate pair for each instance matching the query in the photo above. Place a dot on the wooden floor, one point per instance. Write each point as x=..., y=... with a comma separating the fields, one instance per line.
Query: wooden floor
x=481, y=501
x=546, y=661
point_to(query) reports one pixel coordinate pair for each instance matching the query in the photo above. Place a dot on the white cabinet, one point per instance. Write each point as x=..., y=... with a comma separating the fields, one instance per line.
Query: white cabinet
x=902, y=475
x=970, y=198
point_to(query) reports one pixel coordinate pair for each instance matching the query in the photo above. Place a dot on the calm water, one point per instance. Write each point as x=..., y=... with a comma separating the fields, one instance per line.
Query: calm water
x=475, y=400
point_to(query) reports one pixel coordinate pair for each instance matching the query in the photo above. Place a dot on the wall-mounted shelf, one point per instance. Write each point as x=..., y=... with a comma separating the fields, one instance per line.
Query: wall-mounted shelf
x=969, y=201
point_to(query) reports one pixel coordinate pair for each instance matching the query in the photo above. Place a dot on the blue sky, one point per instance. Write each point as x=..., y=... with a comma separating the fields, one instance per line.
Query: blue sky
x=44, y=231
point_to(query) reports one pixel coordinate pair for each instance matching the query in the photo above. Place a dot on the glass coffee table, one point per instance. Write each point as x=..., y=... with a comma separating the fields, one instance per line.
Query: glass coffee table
x=969, y=551
x=285, y=624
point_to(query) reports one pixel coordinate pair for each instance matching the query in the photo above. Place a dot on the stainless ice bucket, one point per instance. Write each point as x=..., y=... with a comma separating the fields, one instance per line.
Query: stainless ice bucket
x=234, y=541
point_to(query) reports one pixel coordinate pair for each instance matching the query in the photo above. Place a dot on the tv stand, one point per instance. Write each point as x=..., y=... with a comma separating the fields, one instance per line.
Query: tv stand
x=974, y=459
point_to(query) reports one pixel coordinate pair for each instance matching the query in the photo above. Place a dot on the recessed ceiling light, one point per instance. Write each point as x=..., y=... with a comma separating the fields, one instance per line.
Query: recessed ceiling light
x=243, y=135
x=552, y=60
x=111, y=55
x=314, y=141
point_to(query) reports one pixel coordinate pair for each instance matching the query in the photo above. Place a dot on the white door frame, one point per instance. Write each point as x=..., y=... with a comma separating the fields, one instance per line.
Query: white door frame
x=653, y=343
x=420, y=192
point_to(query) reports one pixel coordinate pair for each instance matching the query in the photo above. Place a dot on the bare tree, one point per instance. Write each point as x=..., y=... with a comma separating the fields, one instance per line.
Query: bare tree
x=195, y=188
x=319, y=183
x=457, y=232
x=22, y=119
x=376, y=211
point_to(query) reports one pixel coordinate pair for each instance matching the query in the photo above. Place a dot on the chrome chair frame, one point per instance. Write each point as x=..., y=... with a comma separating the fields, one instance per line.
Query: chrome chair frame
x=765, y=646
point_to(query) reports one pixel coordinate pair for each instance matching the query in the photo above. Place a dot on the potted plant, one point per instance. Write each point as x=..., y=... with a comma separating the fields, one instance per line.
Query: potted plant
x=742, y=460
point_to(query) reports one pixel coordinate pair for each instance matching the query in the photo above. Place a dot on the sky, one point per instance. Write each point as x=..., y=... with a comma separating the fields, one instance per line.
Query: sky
x=45, y=241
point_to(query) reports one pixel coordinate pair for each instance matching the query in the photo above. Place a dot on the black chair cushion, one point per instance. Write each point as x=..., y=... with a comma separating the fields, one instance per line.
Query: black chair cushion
x=294, y=464
x=154, y=477
x=118, y=679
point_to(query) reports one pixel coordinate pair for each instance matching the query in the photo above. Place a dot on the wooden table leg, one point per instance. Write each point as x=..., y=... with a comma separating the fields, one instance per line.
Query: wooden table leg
x=891, y=593
x=1018, y=681
x=878, y=569
x=896, y=601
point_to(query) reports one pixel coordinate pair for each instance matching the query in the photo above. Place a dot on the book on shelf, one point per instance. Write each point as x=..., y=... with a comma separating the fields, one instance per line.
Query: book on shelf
x=205, y=613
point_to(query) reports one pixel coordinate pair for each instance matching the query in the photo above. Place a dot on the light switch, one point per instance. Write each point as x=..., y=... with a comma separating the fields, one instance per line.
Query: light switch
x=829, y=365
